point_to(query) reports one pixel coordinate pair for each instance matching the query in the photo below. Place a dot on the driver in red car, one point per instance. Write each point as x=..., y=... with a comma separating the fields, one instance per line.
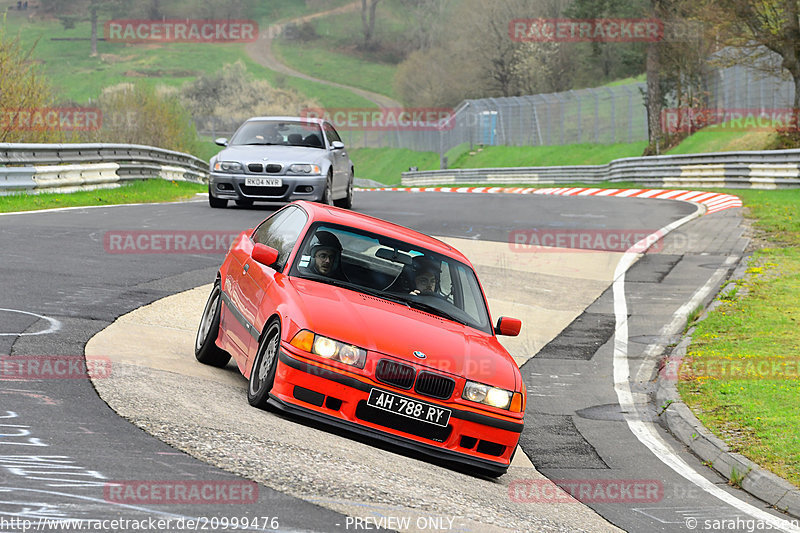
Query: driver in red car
x=426, y=276
x=326, y=255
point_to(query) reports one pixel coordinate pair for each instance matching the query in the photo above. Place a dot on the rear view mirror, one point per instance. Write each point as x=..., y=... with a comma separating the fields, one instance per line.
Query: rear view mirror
x=222, y=141
x=337, y=145
x=394, y=256
x=508, y=326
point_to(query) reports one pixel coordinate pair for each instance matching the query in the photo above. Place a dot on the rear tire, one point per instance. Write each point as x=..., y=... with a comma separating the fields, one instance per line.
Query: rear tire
x=262, y=375
x=205, y=348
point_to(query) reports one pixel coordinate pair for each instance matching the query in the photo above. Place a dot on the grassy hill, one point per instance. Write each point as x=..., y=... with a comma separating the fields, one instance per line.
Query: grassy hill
x=386, y=164
x=64, y=58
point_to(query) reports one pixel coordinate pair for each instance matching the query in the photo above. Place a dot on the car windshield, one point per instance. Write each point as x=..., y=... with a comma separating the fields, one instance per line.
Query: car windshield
x=394, y=270
x=278, y=132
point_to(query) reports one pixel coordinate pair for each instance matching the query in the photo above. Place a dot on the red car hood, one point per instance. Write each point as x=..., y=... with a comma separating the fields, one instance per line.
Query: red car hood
x=391, y=328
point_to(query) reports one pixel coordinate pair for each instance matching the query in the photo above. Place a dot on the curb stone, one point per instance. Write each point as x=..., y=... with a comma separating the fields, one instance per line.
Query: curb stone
x=737, y=469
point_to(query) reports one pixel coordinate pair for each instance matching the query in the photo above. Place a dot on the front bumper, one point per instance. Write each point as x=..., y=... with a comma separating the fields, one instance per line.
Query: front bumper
x=479, y=441
x=232, y=187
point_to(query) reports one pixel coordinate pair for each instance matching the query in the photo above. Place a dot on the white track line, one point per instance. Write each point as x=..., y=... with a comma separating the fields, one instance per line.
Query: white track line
x=645, y=431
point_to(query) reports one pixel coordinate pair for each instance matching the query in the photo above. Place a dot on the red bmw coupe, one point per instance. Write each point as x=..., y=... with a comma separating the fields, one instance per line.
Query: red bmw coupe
x=360, y=323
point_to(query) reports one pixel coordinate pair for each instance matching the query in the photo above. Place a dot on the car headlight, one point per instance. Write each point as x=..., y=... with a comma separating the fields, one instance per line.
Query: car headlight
x=227, y=166
x=348, y=354
x=304, y=168
x=487, y=395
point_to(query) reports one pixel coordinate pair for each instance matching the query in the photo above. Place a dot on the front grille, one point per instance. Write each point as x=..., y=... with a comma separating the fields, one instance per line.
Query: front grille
x=395, y=374
x=264, y=191
x=273, y=168
x=401, y=423
x=255, y=167
x=434, y=385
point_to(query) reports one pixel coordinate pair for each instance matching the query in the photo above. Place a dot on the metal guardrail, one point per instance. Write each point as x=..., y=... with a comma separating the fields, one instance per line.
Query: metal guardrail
x=70, y=167
x=758, y=170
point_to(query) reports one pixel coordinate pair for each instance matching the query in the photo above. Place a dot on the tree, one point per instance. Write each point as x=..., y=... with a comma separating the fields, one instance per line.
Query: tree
x=654, y=96
x=429, y=21
x=755, y=25
x=368, y=8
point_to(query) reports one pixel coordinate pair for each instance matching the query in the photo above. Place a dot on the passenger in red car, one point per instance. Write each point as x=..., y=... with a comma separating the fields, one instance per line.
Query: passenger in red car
x=326, y=255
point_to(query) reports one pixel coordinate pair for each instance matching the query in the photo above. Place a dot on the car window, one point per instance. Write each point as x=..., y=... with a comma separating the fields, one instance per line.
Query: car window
x=281, y=232
x=282, y=132
x=331, y=133
x=392, y=269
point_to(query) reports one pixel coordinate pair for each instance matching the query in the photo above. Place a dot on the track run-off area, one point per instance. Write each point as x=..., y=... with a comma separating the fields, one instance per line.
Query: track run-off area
x=596, y=313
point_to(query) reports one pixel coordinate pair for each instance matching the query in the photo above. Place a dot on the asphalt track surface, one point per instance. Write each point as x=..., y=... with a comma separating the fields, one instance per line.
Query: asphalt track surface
x=62, y=444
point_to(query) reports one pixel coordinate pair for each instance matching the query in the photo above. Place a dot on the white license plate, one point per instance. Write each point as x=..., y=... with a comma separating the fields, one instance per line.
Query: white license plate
x=263, y=182
x=394, y=403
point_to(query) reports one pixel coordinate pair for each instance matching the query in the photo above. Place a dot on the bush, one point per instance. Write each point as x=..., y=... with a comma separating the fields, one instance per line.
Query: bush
x=141, y=114
x=230, y=96
x=24, y=95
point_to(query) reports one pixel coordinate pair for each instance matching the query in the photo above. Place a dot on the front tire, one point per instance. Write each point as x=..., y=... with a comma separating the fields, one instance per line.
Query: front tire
x=262, y=375
x=205, y=348
x=215, y=202
x=327, y=194
x=347, y=201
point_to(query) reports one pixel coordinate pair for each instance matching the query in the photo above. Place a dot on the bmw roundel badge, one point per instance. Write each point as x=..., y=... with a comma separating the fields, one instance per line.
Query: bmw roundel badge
x=419, y=355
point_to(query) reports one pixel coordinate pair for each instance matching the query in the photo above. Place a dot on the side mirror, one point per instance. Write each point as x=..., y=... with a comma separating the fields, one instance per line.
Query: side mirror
x=508, y=326
x=264, y=254
x=337, y=145
x=222, y=141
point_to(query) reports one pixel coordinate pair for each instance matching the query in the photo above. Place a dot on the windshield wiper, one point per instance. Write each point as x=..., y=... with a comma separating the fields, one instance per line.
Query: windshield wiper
x=432, y=309
x=384, y=295
x=259, y=144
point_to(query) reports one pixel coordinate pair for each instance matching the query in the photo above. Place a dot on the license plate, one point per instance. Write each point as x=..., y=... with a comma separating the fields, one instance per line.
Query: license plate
x=263, y=182
x=394, y=403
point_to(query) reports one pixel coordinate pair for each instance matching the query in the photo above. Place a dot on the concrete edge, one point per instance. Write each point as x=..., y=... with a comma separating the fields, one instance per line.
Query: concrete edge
x=687, y=429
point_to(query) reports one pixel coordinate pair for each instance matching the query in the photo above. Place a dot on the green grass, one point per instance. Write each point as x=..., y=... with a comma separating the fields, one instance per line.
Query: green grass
x=315, y=58
x=267, y=13
x=143, y=191
x=81, y=77
x=627, y=81
x=758, y=414
x=717, y=140
x=386, y=164
x=534, y=156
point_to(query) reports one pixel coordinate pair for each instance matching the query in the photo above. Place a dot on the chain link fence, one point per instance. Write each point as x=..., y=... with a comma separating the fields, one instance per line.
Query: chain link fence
x=604, y=115
x=754, y=87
